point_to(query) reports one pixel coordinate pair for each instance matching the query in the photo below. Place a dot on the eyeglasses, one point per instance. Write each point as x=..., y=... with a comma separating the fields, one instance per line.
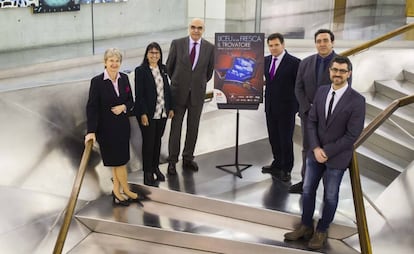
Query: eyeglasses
x=154, y=52
x=196, y=27
x=342, y=71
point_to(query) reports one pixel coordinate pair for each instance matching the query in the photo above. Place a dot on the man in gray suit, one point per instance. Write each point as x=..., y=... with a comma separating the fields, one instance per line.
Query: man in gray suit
x=335, y=121
x=312, y=73
x=190, y=65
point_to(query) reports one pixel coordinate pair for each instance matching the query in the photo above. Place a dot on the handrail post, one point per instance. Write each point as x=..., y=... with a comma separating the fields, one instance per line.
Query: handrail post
x=361, y=218
x=70, y=208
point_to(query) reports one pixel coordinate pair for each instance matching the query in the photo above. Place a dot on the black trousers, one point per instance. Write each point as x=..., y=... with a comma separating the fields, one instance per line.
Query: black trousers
x=151, y=143
x=280, y=129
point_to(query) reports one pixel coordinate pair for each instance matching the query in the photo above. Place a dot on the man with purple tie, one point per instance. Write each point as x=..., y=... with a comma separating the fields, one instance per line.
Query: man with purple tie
x=280, y=106
x=190, y=65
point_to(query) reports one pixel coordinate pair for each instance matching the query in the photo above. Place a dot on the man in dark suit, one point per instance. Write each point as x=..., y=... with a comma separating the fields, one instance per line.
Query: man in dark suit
x=336, y=120
x=190, y=65
x=312, y=73
x=280, y=106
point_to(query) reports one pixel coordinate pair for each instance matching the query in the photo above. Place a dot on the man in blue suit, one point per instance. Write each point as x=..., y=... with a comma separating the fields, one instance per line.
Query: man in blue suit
x=280, y=106
x=336, y=120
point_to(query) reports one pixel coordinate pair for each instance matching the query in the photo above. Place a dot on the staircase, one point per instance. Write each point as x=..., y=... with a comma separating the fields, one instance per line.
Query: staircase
x=390, y=149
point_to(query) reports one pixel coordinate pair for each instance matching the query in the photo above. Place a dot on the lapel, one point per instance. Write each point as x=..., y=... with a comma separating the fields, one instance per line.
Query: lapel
x=312, y=68
x=200, y=54
x=282, y=65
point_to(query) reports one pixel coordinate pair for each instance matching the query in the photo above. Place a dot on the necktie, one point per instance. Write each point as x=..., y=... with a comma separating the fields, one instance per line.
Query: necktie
x=320, y=71
x=330, y=105
x=272, y=68
x=193, y=53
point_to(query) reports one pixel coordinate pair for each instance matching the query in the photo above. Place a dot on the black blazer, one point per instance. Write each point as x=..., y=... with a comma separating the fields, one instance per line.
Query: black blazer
x=338, y=135
x=280, y=92
x=102, y=97
x=146, y=91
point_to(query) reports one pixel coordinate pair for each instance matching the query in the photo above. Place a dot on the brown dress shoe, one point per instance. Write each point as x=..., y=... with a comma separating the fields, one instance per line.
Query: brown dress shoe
x=171, y=169
x=318, y=240
x=303, y=231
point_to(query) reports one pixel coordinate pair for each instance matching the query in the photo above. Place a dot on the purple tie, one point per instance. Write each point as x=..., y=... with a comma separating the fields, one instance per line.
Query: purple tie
x=193, y=53
x=273, y=68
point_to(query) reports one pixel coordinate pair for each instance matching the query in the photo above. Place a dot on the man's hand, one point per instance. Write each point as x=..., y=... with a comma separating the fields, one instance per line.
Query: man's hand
x=320, y=155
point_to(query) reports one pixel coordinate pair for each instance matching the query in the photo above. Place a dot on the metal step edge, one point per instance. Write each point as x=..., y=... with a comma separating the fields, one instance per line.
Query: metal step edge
x=380, y=102
x=398, y=88
x=236, y=211
x=376, y=167
x=184, y=239
x=395, y=149
x=408, y=75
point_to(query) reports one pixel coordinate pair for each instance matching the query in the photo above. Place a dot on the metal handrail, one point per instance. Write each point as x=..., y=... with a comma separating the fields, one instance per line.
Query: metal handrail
x=70, y=209
x=378, y=40
x=362, y=226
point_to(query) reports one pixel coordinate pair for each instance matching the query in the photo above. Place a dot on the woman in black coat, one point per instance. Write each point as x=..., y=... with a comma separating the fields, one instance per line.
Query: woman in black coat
x=110, y=99
x=153, y=106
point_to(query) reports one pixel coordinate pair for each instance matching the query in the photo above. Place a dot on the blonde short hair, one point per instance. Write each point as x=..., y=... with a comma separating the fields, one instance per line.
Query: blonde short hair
x=111, y=52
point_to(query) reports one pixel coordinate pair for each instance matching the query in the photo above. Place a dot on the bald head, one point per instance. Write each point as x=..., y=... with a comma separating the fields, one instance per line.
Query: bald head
x=196, y=28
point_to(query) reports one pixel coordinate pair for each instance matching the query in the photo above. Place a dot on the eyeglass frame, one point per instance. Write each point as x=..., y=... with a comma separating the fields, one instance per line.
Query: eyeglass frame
x=341, y=71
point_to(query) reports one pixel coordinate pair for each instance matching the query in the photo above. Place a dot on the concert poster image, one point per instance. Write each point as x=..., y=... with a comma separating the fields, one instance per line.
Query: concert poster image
x=239, y=67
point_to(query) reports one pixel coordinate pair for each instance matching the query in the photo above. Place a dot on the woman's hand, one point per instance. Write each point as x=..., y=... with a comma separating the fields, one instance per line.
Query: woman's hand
x=90, y=136
x=118, y=109
x=171, y=114
x=144, y=120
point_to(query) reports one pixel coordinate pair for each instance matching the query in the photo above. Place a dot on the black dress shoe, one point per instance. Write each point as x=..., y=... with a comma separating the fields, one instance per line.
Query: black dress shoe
x=149, y=179
x=190, y=165
x=119, y=202
x=160, y=175
x=284, y=176
x=171, y=169
x=296, y=188
x=267, y=169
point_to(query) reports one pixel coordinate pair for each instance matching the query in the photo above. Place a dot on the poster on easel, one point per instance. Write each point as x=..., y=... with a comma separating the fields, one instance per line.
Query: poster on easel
x=239, y=67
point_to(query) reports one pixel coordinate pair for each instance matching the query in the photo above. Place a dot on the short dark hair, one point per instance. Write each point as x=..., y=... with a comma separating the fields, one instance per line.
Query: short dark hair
x=276, y=36
x=325, y=31
x=341, y=60
x=152, y=45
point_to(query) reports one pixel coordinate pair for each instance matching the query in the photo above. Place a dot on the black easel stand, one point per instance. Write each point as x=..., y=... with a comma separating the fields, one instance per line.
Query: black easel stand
x=236, y=163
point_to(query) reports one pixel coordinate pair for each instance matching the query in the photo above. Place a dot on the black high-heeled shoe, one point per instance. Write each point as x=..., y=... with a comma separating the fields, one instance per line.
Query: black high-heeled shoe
x=117, y=201
x=160, y=175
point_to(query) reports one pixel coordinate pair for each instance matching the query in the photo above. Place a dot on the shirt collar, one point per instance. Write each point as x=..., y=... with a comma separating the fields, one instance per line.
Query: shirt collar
x=192, y=41
x=106, y=75
x=339, y=92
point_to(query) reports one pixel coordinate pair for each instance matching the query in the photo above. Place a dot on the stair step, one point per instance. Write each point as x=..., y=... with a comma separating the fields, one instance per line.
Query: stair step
x=394, y=89
x=376, y=167
x=190, y=221
x=403, y=116
x=392, y=140
x=409, y=75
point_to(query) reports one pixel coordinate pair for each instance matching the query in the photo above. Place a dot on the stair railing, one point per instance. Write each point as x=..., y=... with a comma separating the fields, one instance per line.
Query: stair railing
x=362, y=227
x=70, y=208
x=363, y=233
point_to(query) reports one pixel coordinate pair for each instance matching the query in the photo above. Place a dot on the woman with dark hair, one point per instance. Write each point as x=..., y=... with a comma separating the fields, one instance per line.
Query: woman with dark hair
x=153, y=105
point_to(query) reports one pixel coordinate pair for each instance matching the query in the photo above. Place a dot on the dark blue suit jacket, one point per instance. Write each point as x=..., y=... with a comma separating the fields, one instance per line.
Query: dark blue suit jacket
x=337, y=136
x=280, y=92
